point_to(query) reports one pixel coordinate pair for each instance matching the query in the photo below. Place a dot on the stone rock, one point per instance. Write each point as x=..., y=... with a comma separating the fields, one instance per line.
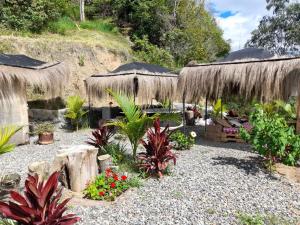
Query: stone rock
x=105, y=161
x=9, y=182
x=78, y=165
x=40, y=168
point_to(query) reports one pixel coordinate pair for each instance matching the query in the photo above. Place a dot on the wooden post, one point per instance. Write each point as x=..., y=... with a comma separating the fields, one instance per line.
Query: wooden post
x=298, y=115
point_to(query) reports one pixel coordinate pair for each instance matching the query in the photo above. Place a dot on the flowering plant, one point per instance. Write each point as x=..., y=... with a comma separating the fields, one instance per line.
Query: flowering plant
x=193, y=134
x=107, y=186
x=182, y=141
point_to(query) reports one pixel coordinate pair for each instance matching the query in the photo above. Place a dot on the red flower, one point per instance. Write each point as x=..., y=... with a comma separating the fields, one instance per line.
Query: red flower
x=112, y=185
x=123, y=177
x=108, y=170
x=116, y=178
x=101, y=193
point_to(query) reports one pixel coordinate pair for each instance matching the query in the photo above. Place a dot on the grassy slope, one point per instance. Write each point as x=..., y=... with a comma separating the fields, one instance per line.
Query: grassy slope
x=111, y=41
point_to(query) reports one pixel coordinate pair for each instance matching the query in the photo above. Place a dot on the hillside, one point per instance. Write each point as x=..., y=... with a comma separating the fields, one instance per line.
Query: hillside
x=86, y=52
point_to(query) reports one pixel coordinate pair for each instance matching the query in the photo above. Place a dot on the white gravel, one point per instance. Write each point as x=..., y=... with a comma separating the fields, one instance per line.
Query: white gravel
x=210, y=184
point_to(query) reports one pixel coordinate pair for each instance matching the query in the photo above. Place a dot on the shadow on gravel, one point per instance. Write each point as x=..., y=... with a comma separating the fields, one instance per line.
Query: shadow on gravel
x=230, y=145
x=251, y=165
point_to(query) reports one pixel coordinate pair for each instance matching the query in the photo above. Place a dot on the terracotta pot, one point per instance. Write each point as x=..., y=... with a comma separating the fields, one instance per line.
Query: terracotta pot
x=46, y=138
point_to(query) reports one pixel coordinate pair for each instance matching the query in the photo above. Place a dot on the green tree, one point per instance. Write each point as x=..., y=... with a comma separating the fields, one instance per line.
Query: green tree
x=280, y=32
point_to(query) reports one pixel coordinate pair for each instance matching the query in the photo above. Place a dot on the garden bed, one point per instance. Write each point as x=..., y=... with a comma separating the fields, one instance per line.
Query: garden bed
x=210, y=184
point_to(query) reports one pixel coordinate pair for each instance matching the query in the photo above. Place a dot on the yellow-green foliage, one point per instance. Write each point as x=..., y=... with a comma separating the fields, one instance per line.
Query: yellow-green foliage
x=75, y=111
x=6, y=132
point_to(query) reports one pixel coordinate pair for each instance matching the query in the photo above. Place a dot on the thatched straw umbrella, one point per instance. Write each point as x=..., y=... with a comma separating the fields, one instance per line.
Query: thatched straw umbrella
x=18, y=71
x=141, y=80
x=264, y=79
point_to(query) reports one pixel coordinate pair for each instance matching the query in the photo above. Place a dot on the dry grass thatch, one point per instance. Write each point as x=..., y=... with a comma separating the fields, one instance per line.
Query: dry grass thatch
x=145, y=86
x=265, y=79
x=50, y=78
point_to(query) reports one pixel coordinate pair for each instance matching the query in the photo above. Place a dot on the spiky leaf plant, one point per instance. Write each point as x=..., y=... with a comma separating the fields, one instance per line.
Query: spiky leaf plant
x=39, y=205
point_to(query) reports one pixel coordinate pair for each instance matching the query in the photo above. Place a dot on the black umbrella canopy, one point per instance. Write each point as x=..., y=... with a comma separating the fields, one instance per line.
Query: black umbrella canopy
x=248, y=53
x=22, y=61
x=141, y=67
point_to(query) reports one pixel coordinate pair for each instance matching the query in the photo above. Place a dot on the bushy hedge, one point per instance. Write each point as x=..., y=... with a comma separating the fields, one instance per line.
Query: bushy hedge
x=272, y=138
x=31, y=15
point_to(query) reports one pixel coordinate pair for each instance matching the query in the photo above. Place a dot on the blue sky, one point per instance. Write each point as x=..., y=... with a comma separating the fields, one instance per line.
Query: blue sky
x=238, y=18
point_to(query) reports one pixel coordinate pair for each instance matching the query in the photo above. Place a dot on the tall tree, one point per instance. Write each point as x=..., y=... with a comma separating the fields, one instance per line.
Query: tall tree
x=280, y=32
x=81, y=8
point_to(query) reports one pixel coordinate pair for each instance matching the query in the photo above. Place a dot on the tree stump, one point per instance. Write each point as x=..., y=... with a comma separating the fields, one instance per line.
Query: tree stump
x=105, y=162
x=41, y=169
x=78, y=164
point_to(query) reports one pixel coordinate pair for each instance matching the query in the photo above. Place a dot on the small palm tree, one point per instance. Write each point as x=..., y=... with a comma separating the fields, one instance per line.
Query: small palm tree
x=6, y=133
x=135, y=123
x=75, y=111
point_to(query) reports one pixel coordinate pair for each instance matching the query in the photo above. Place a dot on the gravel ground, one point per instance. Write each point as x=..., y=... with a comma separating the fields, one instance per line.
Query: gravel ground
x=209, y=185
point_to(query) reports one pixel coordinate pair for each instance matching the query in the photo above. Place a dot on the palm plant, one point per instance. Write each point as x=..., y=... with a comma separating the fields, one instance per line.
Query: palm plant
x=135, y=123
x=75, y=111
x=6, y=133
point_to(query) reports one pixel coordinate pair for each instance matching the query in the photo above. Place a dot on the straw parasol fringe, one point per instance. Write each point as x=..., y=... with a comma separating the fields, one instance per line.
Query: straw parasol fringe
x=51, y=78
x=150, y=86
x=265, y=79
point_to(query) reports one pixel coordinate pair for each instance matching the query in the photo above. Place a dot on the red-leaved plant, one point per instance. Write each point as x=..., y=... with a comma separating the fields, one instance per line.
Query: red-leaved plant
x=101, y=136
x=39, y=205
x=158, y=151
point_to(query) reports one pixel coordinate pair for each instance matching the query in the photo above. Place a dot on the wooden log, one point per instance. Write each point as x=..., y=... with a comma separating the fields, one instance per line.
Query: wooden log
x=78, y=164
x=105, y=162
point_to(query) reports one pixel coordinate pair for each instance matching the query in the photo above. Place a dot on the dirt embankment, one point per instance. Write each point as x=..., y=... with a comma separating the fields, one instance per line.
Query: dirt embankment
x=83, y=59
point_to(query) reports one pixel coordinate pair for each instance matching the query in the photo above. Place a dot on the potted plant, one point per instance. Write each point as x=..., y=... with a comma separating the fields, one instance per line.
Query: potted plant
x=45, y=132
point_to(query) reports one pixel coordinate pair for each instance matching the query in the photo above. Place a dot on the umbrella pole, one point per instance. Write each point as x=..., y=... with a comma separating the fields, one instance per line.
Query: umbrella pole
x=206, y=112
x=183, y=111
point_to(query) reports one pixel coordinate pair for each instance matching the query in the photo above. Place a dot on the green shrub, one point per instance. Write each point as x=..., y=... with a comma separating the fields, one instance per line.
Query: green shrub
x=250, y=219
x=99, y=25
x=257, y=219
x=147, y=52
x=75, y=111
x=31, y=15
x=182, y=141
x=45, y=127
x=61, y=26
x=272, y=138
x=116, y=150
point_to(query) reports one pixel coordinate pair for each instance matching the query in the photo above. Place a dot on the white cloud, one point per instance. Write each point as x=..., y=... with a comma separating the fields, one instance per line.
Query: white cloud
x=238, y=27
